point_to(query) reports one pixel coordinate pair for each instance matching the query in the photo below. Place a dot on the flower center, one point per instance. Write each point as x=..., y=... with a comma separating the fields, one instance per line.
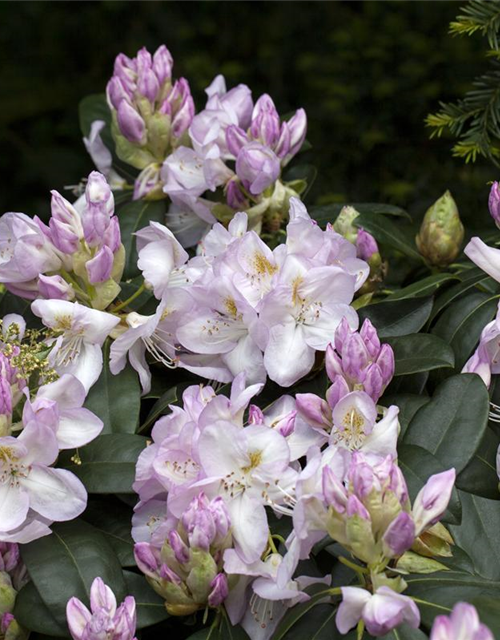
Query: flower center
x=11, y=470
x=255, y=460
x=351, y=434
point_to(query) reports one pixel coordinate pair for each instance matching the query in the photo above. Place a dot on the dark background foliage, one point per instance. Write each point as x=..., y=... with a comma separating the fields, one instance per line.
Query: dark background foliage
x=366, y=72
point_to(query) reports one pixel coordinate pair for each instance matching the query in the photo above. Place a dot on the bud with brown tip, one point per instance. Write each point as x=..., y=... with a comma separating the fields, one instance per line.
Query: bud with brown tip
x=441, y=233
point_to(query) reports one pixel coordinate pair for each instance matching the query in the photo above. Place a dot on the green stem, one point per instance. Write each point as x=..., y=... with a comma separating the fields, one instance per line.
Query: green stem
x=70, y=280
x=352, y=565
x=271, y=544
x=135, y=295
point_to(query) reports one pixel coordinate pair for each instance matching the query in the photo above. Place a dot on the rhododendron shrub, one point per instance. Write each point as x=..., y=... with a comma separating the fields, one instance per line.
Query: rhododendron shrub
x=228, y=413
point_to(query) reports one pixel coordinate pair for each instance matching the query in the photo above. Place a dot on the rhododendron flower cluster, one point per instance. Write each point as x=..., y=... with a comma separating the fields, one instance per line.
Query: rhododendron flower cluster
x=217, y=409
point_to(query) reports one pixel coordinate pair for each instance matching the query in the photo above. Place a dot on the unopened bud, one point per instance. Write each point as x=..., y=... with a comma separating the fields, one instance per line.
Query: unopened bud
x=441, y=233
x=344, y=224
x=494, y=203
x=398, y=536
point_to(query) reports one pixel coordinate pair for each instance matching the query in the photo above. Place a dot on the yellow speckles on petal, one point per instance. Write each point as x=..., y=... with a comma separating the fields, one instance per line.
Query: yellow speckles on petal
x=296, y=298
x=262, y=265
x=63, y=322
x=255, y=460
x=231, y=307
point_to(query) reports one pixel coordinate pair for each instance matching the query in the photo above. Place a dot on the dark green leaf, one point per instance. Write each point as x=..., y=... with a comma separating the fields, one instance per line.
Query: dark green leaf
x=116, y=399
x=91, y=108
x=404, y=632
x=420, y=352
x=452, y=424
x=413, y=384
x=423, y=287
x=462, y=322
x=469, y=280
x=107, y=463
x=135, y=216
x=480, y=475
x=112, y=518
x=306, y=172
x=65, y=563
x=319, y=624
x=32, y=613
x=478, y=534
x=160, y=407
x=408, y=404
x=437, y=593
x=398, y=318
x=388, y=233
x=150, y=606
x=295, y=614
x=418, y=465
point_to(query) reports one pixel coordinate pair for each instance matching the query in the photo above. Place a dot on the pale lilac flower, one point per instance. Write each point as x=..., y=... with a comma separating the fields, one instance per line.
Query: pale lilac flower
x=494, y=203
x=55, y=287
x=257, y=167
x=485, y=361
x=486, y=258
x=77, y=348
x=432, y=500
x=25, y=251
x=27, y=481
x=381, y=612
x=159, y=254
x=101, y=156
x=462, y=624
x=104, y=620
x=59, y=406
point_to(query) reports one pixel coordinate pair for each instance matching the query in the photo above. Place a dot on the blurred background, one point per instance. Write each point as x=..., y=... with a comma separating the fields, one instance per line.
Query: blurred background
x=367, y=74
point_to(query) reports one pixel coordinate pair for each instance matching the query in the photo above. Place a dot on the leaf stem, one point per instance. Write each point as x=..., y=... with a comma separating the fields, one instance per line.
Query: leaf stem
x=135, y=295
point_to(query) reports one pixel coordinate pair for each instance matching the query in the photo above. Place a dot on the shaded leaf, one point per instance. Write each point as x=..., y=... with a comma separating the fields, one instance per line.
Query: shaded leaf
x=388, y=233
x=150, y=606
x=112, y=518
x=398, y=318
x=420, y=352
x=408, y=404
x=423, y=287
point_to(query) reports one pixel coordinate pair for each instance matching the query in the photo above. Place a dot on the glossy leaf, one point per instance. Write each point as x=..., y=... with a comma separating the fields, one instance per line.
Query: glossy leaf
x=324, y=214
x=469, y=281
x=318, y=624
x=296, y=613
x=113, y=519
x=420, y=352
x=108, y=463
x=424, y=287
x=480, y=475
x=404, y=632
x=452, y=424
x=388, y=233
x=160, y=407
x=398, y=318
x=65, y=564
x=32, y=613
x=116, y=400
x=408, y=404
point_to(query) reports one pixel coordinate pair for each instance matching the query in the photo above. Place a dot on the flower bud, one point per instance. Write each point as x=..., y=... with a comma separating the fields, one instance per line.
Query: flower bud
x=162, y=64
x=219, y=591
x=385, y=360
x=441, y=233
x=370, y=338
x=55, y=288
x=236, y=139
x=463, y=622
x=181, y=550
x=337, y=391
x=131, y=124
x=257, y=167
x=112, y=235
x=99, y=268
x=314, y=410
x=297, y=126
x=255, y=415
x=432, y=500
x=148, y=85
x=373, y=384
x=5, y=401
x=265, y=125
x=7, y=593
x=334, y=491
x=366, y=245
x=398, y=536
x=99, y=208
x=355, y=357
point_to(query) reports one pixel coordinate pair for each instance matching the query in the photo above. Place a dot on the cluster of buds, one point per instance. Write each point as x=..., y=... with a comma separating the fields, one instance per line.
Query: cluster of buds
x=151, y=114
x=371, y=515
x=441, y=233
x=104, y=620
x=366, y=247
x=357, y=361
x=13, y=577
x=78, y=255
x=187, y=570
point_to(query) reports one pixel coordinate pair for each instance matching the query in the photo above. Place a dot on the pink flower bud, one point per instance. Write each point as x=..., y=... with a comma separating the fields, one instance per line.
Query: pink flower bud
x=298, y=129
x=99, y=208
x=356, y=508
x=179, y=547
x=399, y=535
x=147, y=85
x=370, y=338
x=5, y=621
x=333, y=363
x=219, y=591
x=143, y=60
x=131, y=124
x=236, y=139
x=147, y=558
x=286, y=425
x=342, y=332
x=257, y=167
x=55, y=288
x=337, y=391
x=334, y=492
x=162, y=64
x=282, y=147
x=366, y=245
x=235, y=197
x=314, y=410
x=373, y=383
x=432, y=500
x=387, y=609
x=221, y=517
x=494, y=203
x=385, y=361
x=5, y=402
x=116, y=92
x=355, y=357
x=265, y=125
x=255, y=415
x=112, y=235
x=185, y=112
x=100, y=267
